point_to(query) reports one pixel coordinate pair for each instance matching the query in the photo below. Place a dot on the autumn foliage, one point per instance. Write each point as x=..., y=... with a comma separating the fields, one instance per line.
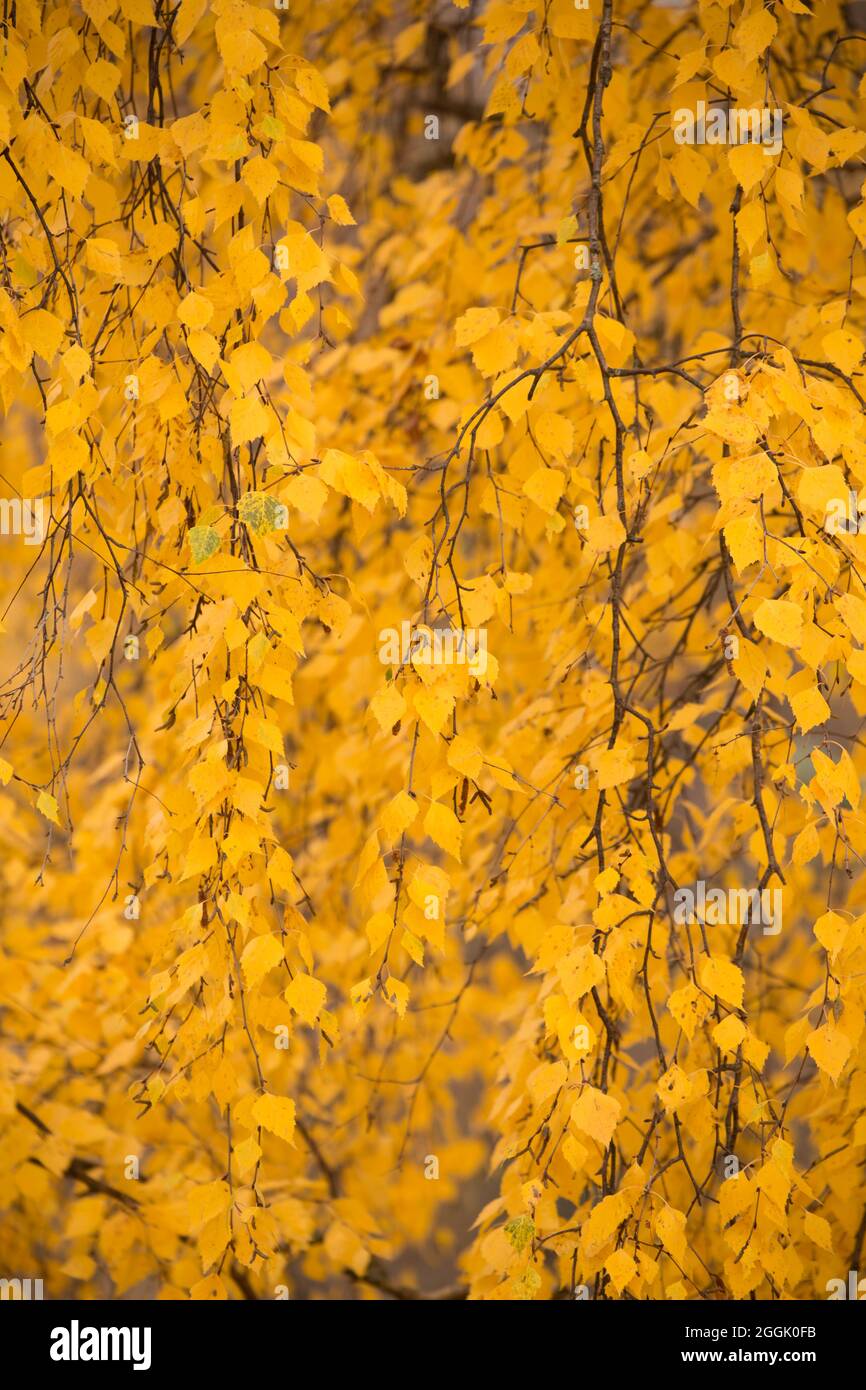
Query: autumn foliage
x=336, y=964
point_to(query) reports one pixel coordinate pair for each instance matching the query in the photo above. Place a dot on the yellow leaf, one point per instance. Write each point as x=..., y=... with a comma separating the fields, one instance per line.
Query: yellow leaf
x=818, y=1230
x=277, y=1115
x=691, y=171
x=351, y=476
x=339, y=210
x=745, y=541
x=443, y=827
x=306, y=996
x=755, y=33
x=596, y=1114
x=249, y=420
x=780, y=620
x=194, y=310
x=47, y=804
x=554, y=434
x=398, y=815
x=774, y=1183
x=209, y=1290
x=208, y=1200
x=831, y=930
x=307, y=494
x=239, y=49
x=251, y=362
x=830, y=1048
x=728, y=1034
x=670, y=1227
x=103, y=78
x=188, y=16
x=204, y=348
x=261, y=177
x=433, y=707
x=810, y=708
x=749, y=164
x=736, y=1195
x=853, y=610
x=602, y=1221
x=388, y=707
x=260, y=955
x=70, y=169
x=475, y=324
x=464, y=757
x=43, y=331
x=722, y=978
x=689, y=1007
x=397, y=995
x=613, y=766
x=674, y=1089
x=496, y=351
x=621, y=1267
x=805, y=846
x=605, y=533
x=844, y=350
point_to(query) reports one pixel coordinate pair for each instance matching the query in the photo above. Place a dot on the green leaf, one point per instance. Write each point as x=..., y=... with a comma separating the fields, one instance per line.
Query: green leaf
x=526, y=1286
x=261, y=513
x=520, y=1231
x=203, y=542
x=273, y=128
x=24, y=270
